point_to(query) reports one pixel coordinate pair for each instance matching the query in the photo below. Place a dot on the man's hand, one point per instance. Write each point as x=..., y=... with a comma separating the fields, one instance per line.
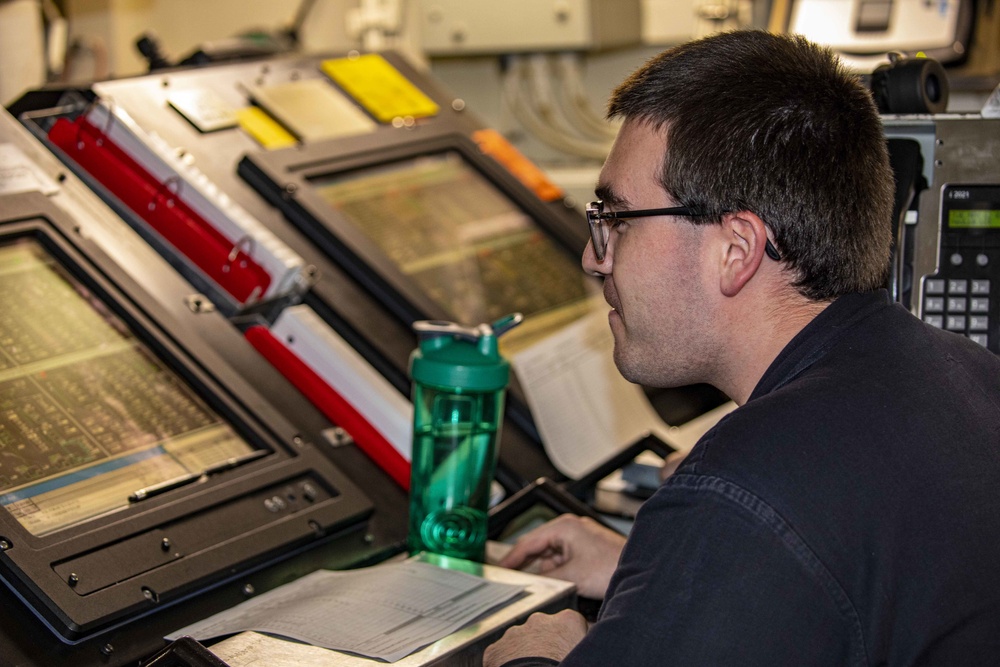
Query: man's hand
x=572, y=548
x=541, y=636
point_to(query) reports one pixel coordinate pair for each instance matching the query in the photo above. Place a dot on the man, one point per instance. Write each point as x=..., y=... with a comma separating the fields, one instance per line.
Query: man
x=848, y=513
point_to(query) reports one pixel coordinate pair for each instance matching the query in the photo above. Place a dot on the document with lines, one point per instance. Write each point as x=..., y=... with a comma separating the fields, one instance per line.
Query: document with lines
x=387, y=611
x=586, y=412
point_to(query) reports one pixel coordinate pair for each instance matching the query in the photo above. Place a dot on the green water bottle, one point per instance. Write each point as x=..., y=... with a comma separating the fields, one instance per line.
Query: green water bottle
x=459, y=384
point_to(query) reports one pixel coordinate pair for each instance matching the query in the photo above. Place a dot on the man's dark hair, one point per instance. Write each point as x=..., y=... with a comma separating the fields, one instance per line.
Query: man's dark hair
x=774, y=125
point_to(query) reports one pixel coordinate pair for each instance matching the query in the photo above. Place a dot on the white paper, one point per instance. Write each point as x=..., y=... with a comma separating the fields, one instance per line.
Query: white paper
x=586, y=412
x=584, y=409
x=386, y=612
x=313, y=109
x=683, y=437
x=249, y=649
x=18, y=173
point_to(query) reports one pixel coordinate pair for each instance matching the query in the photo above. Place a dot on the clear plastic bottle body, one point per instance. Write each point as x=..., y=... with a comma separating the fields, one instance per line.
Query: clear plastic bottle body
x=453, y=462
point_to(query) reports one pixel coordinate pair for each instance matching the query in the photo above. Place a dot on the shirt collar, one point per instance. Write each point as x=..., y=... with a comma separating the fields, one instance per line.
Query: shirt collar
x=816, y=338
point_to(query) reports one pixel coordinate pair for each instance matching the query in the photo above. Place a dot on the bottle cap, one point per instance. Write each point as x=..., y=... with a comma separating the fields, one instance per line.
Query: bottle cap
x=455, y=357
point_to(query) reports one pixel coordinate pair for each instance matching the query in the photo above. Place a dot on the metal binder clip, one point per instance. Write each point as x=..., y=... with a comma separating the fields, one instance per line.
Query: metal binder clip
x=245, y=244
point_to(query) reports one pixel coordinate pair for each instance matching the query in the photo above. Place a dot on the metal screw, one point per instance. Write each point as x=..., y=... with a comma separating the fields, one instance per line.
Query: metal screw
x=248, y=589
x=198, y=303
x=369, y=538
x=4, y=544
x=562, y=12
x=338, y=437
x=73, y=579
x=107, y=649
x=311, y=274
x=165, y=544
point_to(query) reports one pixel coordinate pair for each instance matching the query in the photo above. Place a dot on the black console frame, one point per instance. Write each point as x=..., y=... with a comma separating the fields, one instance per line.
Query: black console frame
x=29, y=563
x=284, y=177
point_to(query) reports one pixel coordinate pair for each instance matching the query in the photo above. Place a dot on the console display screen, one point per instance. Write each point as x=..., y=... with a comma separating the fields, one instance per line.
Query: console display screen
x=464, y=243
x=974, y=219
x=90, y=419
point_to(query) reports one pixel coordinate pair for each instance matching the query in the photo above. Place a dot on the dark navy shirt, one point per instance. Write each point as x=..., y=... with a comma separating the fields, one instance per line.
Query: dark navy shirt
x=847, y=514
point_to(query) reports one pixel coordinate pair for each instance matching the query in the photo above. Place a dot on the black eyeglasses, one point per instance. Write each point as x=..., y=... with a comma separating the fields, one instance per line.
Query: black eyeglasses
x=600, y=227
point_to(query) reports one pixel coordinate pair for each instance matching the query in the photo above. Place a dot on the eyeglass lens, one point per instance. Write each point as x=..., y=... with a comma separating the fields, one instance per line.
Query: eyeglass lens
x=599, y=229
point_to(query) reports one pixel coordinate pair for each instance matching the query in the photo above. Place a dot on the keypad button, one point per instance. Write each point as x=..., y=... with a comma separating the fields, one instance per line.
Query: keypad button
x=981, y=286
x=979, y=304
x=979, y=323
x=934, y=304
x=309, y=492
x=935, y=320
x=982, y=259
x=955, y=323
x=955, y=259
x=956, y=286
x=957, y=304
x=934, y=286
x=979, y=338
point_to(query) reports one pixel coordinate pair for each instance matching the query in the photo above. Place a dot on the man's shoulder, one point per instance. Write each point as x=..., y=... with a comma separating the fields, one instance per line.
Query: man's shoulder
x=879, y=426
x=897, y=339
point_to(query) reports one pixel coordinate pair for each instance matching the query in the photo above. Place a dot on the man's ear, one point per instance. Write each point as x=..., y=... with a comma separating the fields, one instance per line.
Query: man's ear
x=744, y=236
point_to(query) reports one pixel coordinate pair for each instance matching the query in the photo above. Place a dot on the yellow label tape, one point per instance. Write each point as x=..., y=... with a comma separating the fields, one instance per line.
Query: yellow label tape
x=264, y=129
x=379, y=87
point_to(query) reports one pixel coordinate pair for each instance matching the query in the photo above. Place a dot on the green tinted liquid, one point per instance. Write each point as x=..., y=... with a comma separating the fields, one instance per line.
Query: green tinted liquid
x=449, y=494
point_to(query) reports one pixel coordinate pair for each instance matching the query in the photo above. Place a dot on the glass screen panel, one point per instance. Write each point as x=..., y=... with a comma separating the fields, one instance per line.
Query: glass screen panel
x=465, y=244
x=973, y=219
x=88, y=416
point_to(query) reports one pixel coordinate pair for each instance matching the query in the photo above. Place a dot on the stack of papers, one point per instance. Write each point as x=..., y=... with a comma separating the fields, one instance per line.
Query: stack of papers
x=386, y=612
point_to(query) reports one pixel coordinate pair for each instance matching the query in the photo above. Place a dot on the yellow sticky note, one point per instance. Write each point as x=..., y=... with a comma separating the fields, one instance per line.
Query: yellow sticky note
x=267, y=131
x=379, y=87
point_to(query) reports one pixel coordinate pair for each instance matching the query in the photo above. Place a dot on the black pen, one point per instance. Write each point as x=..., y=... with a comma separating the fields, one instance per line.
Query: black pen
x=235, y=462
x=163, y=487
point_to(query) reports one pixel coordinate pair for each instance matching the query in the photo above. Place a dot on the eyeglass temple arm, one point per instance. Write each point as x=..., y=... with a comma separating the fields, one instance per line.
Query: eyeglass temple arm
x=769, y=248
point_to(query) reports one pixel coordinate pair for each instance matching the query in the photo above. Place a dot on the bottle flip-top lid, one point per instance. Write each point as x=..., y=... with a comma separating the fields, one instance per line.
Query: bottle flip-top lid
x=454, y=356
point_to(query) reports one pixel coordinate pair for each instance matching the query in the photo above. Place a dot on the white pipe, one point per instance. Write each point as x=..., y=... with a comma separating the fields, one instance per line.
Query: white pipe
x=541, y=124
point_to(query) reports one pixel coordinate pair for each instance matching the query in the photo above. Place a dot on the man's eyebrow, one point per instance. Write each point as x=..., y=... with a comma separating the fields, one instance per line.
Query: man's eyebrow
x=607, y=194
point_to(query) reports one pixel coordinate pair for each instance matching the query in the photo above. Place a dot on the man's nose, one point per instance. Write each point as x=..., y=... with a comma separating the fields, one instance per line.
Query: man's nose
x=590, y=263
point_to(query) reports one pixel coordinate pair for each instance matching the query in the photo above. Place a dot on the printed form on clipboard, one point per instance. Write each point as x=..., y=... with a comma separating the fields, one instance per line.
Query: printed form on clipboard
x=586, y=412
